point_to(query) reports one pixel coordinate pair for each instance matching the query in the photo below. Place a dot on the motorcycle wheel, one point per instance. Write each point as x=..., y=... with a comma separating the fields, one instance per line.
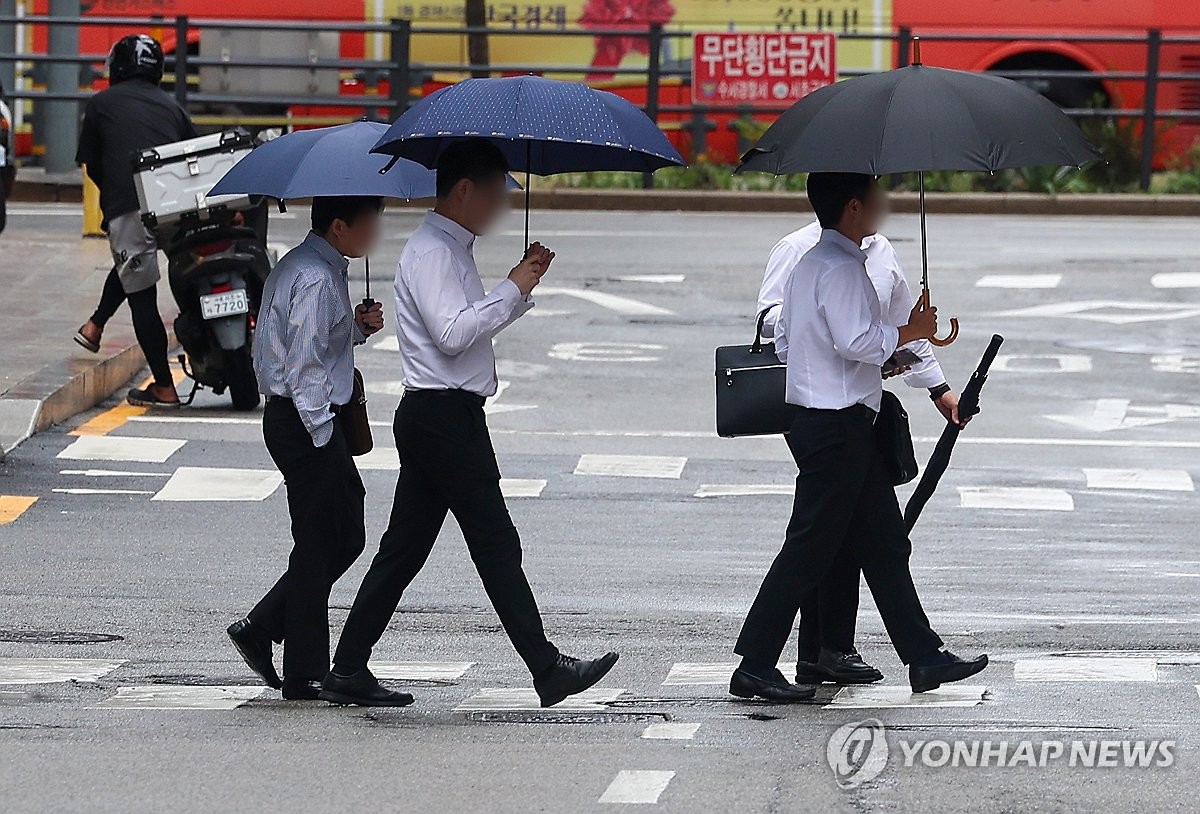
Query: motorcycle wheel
x=239, y=375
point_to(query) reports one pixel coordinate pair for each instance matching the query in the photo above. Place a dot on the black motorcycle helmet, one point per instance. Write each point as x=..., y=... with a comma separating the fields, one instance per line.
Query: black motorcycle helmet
x=135, y=55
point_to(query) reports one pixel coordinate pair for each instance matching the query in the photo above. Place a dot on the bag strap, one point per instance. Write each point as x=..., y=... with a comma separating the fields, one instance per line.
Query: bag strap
x=757, y=346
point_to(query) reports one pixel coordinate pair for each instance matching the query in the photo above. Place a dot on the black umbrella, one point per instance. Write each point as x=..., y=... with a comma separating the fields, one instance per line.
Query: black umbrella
x=968, y=405
x=916, y=119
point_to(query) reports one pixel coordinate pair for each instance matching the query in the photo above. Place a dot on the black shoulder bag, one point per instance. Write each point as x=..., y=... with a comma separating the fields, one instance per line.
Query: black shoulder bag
x=751, y=389
x=894, y=439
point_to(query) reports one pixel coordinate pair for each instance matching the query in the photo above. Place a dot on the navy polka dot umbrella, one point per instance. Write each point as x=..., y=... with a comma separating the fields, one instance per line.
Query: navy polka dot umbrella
x=543, y=126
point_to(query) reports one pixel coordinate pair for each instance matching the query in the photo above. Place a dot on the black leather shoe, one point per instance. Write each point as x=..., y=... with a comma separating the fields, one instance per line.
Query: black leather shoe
x=571, y=675
x=361, y=689
x=924, y=679
x=301, y=690
x=847, y=668
x=778, y=690
x=255, y=648
x=810, y=672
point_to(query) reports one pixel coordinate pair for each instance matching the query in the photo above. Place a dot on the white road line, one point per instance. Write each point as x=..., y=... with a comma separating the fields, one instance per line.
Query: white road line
x=658, y=279
x=621, y=305
x=698, y=673
x=1042, y=363
x=1166, y=480
x=195, y=419
x=386, y=458
x=1113, y=312
x=636, y=786
x=86, y=491
x=1015, y=497
x=54, y=671
x=631, y=466
x=167, y=696
x=122, y=448
x=1159, y=656
x=1176, y=279
x=623, y=352
x=420, y=670
x=491, y=699
x=522, y=487
x=874, y=696
x=671, y=731
x=743, y=489
x=1019, y=281
x=385, y=343
x=195, y=483
x=111, y=473
x=1085, y=668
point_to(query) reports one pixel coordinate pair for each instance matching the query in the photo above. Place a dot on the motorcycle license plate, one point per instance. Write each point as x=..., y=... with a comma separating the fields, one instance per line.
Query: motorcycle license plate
x=225, y=304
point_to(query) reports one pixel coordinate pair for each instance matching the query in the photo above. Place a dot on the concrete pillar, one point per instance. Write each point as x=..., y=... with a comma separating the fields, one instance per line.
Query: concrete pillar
x=61, y=121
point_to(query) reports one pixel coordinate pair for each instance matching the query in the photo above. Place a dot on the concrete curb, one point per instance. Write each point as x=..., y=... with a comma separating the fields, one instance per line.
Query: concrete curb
x=64, y=389
x=68, y=190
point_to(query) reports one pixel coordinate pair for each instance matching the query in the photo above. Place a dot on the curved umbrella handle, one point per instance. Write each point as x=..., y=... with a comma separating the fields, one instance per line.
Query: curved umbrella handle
x=943, y=342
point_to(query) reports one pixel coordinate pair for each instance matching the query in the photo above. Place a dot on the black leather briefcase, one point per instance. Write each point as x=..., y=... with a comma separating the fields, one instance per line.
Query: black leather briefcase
x=751, y=385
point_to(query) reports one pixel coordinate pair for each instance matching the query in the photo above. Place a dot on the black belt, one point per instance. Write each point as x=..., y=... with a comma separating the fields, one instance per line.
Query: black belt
x=466, y=395
x=860, y=410
x=333, y=408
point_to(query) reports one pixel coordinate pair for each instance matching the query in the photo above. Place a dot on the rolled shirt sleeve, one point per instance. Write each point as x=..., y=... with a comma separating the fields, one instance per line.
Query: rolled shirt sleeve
x=306, y=366
x=844, y=298
x=454, y=323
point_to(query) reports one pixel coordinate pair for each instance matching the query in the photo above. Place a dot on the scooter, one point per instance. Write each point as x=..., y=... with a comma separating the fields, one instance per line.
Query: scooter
x=216, y=267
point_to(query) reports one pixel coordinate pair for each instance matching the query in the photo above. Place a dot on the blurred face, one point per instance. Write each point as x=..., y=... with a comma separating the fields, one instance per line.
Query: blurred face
x=866, y=216
x=483, y=201
x=356, y=239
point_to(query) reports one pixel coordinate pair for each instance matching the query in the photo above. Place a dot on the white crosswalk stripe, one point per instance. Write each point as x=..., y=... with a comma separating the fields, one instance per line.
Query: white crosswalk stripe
x=1166, y=480
x=522, y=699
x=671, y=731
x=637, y=786
x=122, y=448
x=696, y=673
x=53, y=671
x=169, y=696
x=631, y=466
x=190, y=483
x=1086, y=668
x=877, y=696
x=420, y=670
x=1015, y=497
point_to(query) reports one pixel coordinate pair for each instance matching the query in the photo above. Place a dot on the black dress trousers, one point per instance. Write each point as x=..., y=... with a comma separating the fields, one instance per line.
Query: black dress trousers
x=325, y=500
x=843, y=500
x=447, y=465
x=829, y=615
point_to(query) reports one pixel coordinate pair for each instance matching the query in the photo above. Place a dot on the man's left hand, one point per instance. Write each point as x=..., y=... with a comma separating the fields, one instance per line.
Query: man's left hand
x=369, y=318
x=947, y=405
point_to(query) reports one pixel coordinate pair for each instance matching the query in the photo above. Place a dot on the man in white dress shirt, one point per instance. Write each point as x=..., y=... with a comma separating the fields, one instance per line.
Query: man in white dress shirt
x=827, y=617
x=445, y=324
x=832, y=336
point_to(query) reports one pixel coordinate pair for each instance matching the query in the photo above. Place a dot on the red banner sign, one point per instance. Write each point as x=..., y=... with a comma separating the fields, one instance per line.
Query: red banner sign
x=764, y=70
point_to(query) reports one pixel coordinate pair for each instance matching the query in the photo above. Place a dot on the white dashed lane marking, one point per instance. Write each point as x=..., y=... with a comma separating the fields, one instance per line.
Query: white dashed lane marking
x=636, y=787
x=744, y=489
x=517, y=700
x=631, y=466
x=696, y=673
x=166, y=696
x=1015, y=497
x=659, y=279
x=1042, y=363
x=54, y=671
x=875, y=696
x=1086, y=668
x=122, y=448
x=421, y=670
x=1166, y=480
x=83, y=490
x=1019, y=281
x=111, y=473
x=671, y=731
x=191, y=483
x=522, y=487
x=1176, y=279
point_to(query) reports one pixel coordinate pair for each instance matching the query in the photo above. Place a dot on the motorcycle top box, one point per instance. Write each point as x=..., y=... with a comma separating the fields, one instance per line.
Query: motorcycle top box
x=173, y=180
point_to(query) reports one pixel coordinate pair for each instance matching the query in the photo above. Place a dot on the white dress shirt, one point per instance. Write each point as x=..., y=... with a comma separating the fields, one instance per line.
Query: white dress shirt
x=887, y=277
x=830, y=331
x=305, y=336
x=444, y=320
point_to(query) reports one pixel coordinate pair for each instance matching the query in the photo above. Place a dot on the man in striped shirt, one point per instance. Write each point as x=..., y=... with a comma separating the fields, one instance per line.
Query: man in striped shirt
x=304, y=361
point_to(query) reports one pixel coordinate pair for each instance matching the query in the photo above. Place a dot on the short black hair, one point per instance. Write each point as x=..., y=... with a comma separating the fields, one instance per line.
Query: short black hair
x=829, y=192
x=474, y=159
x=325, y=210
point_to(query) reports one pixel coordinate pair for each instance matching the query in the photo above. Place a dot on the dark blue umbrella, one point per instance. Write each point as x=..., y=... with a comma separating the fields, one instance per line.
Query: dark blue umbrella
x=543, y=126
x=323, y=162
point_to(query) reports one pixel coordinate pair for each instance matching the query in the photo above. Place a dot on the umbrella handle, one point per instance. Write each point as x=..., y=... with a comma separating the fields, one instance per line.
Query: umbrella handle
x=944, y=341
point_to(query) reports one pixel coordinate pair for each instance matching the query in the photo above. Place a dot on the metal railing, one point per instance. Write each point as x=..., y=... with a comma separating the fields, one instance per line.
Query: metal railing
x=403, y=74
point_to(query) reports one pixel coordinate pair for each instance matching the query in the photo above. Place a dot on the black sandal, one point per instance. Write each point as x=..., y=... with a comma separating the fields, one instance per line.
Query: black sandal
x=146, y=398
x=84, y=342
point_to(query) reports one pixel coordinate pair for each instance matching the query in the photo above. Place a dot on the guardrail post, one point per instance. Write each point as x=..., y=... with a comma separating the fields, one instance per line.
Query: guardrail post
x=904, y=42
x=181, y=60
x=653, y=77
x=1150, y=106
x=699, y=127
x=62, y=116
x=400, y=75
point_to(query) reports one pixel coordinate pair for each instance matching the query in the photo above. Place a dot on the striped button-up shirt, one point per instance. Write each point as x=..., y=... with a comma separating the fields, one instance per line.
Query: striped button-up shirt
x=304, y=342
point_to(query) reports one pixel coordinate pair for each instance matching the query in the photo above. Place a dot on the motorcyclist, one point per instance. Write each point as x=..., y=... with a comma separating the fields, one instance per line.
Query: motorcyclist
x=133, y=113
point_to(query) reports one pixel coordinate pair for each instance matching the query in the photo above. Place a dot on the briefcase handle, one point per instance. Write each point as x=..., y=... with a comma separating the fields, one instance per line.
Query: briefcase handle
x=756, y=347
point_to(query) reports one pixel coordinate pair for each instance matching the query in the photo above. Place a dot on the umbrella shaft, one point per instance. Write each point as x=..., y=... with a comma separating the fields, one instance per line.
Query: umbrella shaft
x=924, y=239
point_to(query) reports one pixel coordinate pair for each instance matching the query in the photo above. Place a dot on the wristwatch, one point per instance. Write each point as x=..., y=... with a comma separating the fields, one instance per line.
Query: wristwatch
x=936, y=393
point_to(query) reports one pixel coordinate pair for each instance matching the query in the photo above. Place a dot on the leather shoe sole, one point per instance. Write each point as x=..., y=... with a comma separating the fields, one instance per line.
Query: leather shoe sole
x=394, y=699
x=744, y=685
x=924, y=679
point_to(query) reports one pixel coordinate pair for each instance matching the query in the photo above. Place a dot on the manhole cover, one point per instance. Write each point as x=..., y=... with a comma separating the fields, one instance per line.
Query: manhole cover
x=56, y=637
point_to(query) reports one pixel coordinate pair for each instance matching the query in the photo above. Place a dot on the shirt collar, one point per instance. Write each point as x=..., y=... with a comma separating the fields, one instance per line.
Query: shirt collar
x=456, y=230
x=326, y=252
x=836, y=238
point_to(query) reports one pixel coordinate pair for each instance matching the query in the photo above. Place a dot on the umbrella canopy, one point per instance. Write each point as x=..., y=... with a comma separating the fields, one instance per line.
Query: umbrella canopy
x=920, y=118
x=543, y=126
x=324, y=162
